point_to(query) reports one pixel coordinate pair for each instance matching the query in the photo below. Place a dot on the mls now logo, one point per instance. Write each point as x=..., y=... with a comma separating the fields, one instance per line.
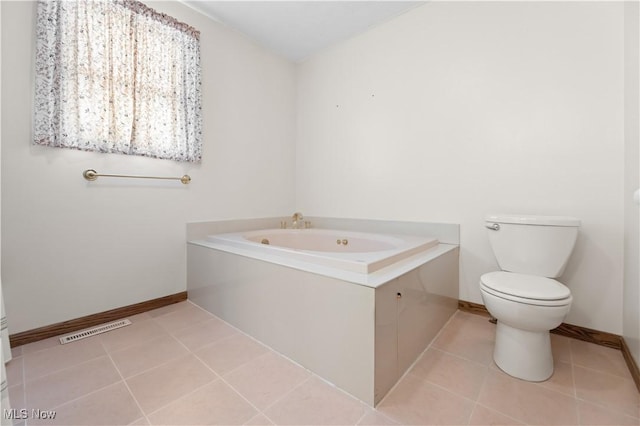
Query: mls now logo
x=43, y=414
x=22, y=414
x=15, y=414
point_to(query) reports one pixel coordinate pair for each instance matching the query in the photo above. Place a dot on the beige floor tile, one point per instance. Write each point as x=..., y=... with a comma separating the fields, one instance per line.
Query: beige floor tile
x=615, y=392
x=15, y=371
x=213, y=404
x=483, y=416
x=113, y=405
x=592, y=414
x=317, y=403
x=82, y=382
x=130, y=335
x=228, y=354
x=49, y=391
x=168, y=309
x=16, y=352
x=265, y=379
x=599, y=358
x=143, y=356
x=40, y=345
x=560, y=347
x=139, y=317
x=527, y=402
x=375, y=418
x=164, y=384
x=562, y=379
x=188, y=315
x=456, y=374
x=47, y=361
x=259, y=420
x=17, y=397
x=468, y=336
x=417, y=402
x=204, y=333
x=142, y=421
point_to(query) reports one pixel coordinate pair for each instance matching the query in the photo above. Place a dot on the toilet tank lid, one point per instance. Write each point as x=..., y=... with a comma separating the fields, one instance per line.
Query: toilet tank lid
x=527, y=219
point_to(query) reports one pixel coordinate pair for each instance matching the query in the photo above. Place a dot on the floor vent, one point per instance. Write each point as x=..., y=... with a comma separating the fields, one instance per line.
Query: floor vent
x=93, y=331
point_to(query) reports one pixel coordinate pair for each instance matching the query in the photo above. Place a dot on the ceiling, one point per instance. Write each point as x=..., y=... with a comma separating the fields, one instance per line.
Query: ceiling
x=298, y=29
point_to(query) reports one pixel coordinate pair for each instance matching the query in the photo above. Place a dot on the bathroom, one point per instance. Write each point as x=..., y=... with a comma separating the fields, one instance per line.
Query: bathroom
x=446, y=113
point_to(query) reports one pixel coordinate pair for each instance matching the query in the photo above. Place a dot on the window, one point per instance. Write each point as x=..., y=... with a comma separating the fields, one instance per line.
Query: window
x=117, y=76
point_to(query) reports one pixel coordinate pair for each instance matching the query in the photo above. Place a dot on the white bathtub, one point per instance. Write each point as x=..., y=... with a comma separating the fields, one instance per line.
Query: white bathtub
x=357, y=314
x=345, y=250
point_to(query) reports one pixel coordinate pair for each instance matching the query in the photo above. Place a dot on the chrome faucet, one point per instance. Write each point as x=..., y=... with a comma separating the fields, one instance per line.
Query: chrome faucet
x=296, y=222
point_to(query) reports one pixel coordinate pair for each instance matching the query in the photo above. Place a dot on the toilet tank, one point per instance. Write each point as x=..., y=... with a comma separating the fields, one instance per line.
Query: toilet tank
x=535, y=245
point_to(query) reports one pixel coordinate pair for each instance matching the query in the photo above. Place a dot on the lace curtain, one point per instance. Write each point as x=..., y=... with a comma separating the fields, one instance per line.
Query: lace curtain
x=116, y=76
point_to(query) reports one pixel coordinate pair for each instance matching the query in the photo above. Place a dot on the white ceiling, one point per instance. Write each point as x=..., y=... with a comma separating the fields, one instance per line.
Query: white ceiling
x=298, y=29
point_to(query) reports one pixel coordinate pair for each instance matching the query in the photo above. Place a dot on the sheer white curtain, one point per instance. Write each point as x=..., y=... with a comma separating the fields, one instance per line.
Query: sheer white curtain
x=117, y=76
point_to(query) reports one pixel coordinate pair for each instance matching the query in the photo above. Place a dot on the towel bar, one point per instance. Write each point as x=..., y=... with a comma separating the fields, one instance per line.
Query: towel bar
x=92, y=175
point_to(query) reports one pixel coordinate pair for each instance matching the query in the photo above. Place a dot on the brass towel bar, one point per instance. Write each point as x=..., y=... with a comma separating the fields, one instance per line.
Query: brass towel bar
x=91, y=174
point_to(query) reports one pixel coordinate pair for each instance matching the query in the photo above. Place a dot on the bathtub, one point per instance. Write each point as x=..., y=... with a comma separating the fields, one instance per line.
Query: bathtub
x=345, y=250
x=357, y=314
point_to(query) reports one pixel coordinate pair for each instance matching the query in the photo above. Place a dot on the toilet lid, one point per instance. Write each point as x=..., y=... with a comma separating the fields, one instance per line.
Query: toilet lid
x=525, y=286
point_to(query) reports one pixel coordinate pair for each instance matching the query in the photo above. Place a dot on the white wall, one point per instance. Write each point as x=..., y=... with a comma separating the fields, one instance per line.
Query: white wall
x=72, y=248
x=631, y=291
x=449, y=112
x=455, y=110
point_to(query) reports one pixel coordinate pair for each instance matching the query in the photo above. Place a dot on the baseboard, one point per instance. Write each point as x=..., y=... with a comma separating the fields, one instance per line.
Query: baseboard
x=76, y=324
x=589, y=335
x=631, y=363
x=575, y=332
x=473, y=308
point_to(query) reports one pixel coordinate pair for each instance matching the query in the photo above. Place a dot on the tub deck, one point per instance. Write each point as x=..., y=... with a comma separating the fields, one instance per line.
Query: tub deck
x=301, y=263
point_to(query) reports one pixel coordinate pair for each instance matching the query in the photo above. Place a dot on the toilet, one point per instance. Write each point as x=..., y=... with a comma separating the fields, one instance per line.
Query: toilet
x=524, y=296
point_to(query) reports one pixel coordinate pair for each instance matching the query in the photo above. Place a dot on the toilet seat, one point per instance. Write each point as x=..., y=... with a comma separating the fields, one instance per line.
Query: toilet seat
x=529, y=289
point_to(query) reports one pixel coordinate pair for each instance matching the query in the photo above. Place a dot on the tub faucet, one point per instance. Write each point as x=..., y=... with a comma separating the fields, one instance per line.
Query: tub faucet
x=297, y=221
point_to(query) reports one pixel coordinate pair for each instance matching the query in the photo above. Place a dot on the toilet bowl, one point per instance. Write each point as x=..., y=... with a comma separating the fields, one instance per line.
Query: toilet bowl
x=526, y=307
x=523, y=296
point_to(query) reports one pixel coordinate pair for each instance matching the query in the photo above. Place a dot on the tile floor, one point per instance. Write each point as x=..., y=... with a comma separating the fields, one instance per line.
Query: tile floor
x=182, y=365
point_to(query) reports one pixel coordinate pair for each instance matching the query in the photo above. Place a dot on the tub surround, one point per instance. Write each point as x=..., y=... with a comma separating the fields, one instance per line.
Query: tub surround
x=374, y=279
x=200, y=230
x=359, y=331
x=446, y=233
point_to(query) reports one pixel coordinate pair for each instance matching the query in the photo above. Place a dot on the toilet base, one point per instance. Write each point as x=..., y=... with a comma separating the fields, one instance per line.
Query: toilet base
x=523, y=354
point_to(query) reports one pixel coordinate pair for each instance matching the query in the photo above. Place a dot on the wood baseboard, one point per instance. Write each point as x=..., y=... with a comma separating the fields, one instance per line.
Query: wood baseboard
x=76, y=324
x=601, y=338
x=631, y=363
x=473, y=308
x=589, y=335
